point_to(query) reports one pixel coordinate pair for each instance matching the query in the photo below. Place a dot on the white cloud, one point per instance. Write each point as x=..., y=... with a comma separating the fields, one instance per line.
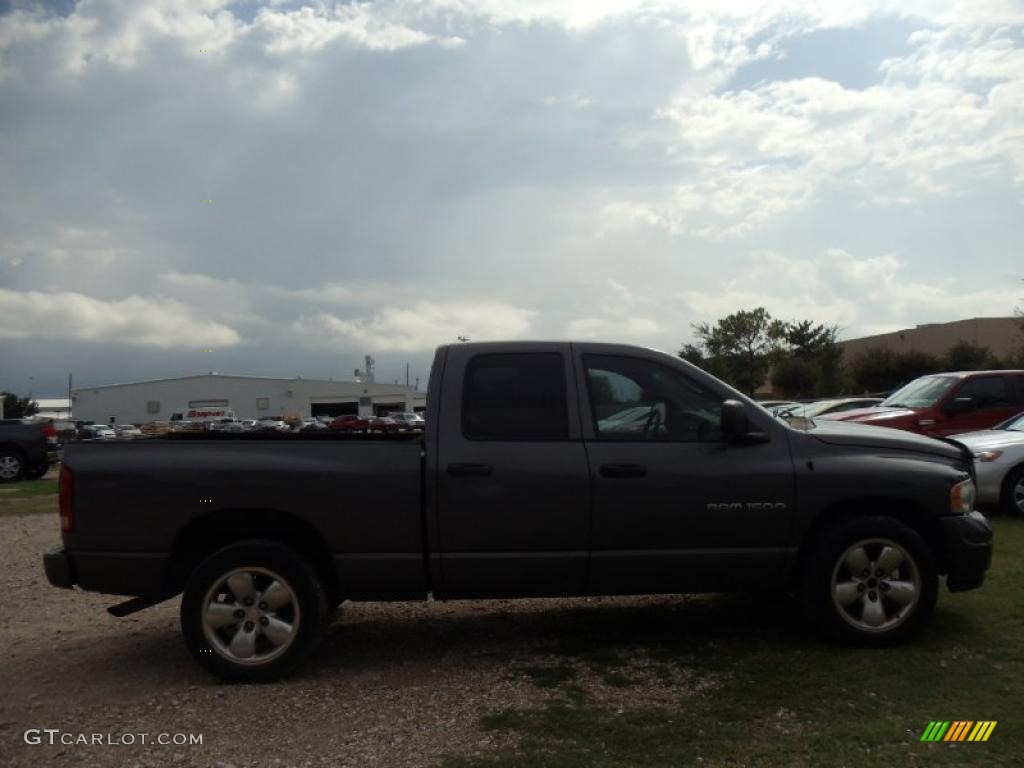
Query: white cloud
x=310, y=29
x=133, y=320
x=419, y=326
x=611, y=329
x=850, y=291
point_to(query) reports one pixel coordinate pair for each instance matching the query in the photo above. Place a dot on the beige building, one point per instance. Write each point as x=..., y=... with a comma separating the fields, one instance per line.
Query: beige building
x=1002, y=335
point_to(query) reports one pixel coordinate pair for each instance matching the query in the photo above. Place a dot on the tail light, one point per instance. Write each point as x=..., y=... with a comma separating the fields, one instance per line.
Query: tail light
x=50, y=433
x=65, y=489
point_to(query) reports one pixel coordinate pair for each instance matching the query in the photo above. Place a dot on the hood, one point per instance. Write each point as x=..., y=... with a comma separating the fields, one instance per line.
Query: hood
x=847, y=433
x=988, y=438
x=872, y=411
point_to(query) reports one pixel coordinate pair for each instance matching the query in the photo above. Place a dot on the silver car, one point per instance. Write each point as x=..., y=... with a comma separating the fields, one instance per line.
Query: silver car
x=999, y=462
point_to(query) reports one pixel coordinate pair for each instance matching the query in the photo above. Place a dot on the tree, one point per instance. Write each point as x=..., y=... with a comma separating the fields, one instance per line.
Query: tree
x=795, y=376
x=742, y=344
x=965, y=356
x=18, y=407
x=879, y=369
x=820, y=357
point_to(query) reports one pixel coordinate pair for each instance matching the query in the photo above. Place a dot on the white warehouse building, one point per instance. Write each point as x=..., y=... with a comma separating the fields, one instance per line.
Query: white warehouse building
x=250, y=397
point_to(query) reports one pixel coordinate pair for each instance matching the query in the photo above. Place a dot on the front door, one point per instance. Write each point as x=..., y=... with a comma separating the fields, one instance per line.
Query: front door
x=675, y=508
x=513, y=504
x=993, y=400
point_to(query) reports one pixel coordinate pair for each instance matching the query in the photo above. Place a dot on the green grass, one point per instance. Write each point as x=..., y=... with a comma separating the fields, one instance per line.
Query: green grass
x=780, y=697
x=28, y=497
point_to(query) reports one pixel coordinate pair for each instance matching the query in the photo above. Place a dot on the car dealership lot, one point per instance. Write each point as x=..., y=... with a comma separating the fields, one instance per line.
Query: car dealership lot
x=644, y=680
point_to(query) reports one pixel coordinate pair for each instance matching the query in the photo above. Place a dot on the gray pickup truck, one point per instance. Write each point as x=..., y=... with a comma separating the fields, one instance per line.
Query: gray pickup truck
x=545, y=469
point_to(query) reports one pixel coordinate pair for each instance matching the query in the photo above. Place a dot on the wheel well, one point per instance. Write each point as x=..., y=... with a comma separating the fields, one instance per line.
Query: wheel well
x=907, y=512
x=205, y=535
x=12, y=448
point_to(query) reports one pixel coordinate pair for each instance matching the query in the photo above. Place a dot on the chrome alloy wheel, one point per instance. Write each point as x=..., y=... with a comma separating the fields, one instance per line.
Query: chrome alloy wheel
x=10, y=467
x=250, y=616
x=875, y=585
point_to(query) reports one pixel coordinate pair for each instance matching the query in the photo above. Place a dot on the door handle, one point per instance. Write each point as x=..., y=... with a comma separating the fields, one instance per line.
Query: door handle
x=623, y=470
x=469, y=470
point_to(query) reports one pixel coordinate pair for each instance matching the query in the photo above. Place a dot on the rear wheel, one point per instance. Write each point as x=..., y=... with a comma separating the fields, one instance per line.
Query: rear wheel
x=1012, y=498
x=11, y=465
x=870, y=581
x=253, y=611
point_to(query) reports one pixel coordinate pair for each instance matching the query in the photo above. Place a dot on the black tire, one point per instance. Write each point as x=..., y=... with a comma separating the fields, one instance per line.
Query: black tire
x=828, y=579
x=12, y=465
x=1007, y=501
x=37, y=472
x=266, y=561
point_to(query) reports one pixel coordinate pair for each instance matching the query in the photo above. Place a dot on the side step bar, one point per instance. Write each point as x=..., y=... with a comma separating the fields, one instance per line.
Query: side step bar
x=136, y=604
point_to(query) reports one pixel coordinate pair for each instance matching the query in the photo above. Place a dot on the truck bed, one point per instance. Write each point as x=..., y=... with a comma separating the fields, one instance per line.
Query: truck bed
x=360, y=493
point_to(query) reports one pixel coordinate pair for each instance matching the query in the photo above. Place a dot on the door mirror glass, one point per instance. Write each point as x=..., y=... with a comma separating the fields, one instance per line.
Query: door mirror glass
x=734, y=422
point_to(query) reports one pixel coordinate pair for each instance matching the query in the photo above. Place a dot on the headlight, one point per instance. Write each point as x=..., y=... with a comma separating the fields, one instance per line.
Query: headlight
x=987, y=455
x=961, y=498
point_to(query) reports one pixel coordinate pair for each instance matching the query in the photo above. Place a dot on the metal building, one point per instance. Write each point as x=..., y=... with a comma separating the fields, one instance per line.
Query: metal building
x=250, y=397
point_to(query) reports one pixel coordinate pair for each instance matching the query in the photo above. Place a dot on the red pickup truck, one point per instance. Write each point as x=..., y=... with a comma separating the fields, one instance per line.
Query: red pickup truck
x=946, y=403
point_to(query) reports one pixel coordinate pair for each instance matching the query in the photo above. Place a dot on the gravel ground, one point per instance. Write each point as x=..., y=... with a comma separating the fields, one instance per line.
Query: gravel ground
x=392, y=684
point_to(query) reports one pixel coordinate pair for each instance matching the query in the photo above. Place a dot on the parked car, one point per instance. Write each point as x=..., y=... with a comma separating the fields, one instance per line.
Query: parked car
x=312, y=425
x=771, y=405
x=350, y=423
x=383, y=424
x=821, y=407
x=248, y=425
x=27, y=449
x=999, y=463
x=516, y=490
x=946, y=403
x=98, y=431
x=226, y=425
x=272, y=424
x=127, y=430
x=407, y=419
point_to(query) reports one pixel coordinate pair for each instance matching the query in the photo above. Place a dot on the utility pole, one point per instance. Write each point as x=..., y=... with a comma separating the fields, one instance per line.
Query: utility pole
x=70, y=407
x=407, y=374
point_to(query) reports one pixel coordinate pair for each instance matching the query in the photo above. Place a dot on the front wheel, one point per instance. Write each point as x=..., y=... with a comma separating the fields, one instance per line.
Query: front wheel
x=1012, y=497
x=870, y=581
x=253, y=611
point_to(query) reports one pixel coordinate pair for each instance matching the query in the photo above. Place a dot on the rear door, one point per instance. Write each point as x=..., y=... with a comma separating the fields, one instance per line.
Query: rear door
x=511, y=475
x=674, y=507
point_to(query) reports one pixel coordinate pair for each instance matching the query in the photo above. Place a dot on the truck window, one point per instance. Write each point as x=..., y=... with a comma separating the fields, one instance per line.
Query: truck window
x=635, y=399
x=515, y=397
x=987, y=391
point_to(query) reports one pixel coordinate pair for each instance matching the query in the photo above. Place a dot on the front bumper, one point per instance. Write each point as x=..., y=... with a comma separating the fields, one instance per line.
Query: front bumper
x=968, y=540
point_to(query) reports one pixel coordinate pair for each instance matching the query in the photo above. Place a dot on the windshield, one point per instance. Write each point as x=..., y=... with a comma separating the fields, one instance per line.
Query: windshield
x=920, y=393
x=1014, y=424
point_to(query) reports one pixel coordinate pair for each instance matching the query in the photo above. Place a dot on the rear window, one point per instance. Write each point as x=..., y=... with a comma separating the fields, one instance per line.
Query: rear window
x=515, y=397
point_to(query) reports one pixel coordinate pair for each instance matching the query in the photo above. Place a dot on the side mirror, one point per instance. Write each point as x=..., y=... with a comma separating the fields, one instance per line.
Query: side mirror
x=734, y=423
x=960, y=405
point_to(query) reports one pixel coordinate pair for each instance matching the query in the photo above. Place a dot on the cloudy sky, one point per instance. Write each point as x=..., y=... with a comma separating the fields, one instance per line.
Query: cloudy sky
x=294, y=185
